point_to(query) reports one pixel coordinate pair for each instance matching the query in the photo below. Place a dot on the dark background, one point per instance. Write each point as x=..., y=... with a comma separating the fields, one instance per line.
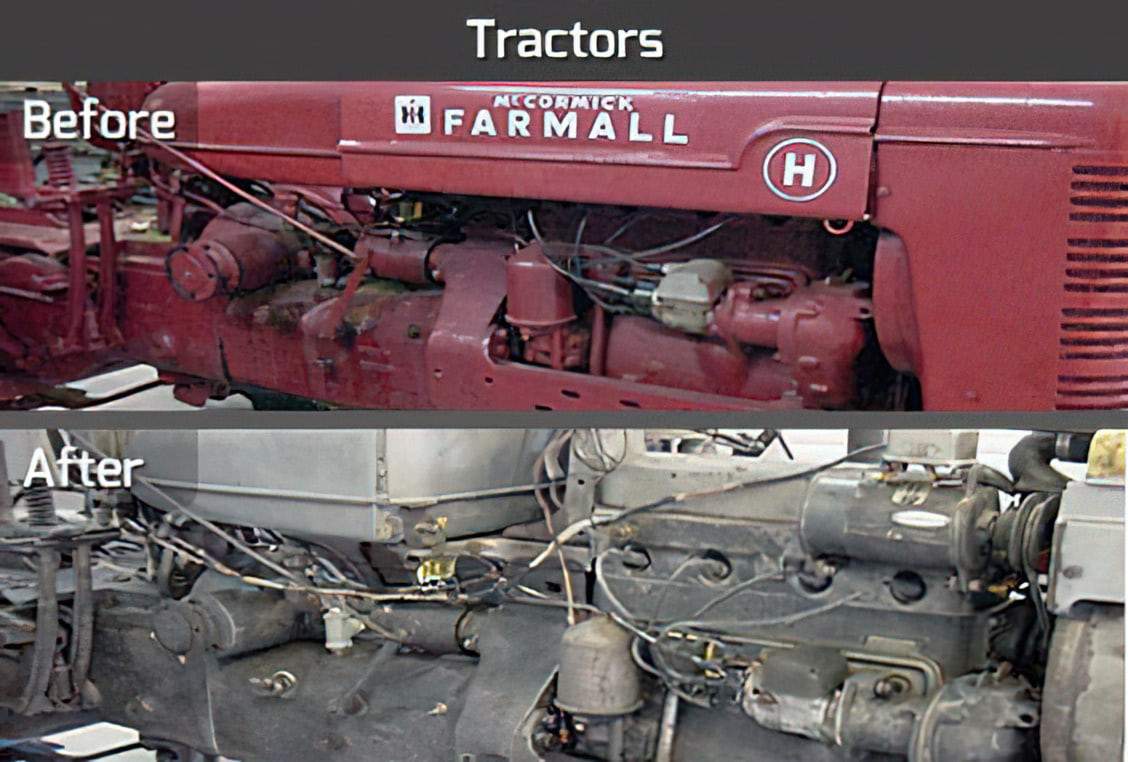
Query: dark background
x=428, y=39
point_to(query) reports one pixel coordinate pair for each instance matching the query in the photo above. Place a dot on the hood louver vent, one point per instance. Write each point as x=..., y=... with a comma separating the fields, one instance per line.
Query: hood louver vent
x=1093, y=350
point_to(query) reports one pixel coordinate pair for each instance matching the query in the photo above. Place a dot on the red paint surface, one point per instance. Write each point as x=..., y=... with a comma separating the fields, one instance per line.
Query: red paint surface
x=1010, y=201
x=978, y=181
x=344, y=134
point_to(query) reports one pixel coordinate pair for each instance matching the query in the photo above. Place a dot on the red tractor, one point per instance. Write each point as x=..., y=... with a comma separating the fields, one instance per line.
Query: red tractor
x=582, y=246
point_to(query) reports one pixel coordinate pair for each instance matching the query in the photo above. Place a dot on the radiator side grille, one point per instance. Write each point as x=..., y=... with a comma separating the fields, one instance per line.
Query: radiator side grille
x=1093, y=329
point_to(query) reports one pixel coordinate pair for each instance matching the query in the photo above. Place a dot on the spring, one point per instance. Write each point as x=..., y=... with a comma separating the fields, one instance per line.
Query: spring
x=60, y=171
x=40, y=502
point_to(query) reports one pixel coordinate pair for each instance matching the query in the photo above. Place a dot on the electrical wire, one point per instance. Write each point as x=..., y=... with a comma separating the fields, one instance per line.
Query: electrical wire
x=574, y=529
x=553, y=470
x=583, y=283
x=207, y=524
x=602, y=583
x=734, y=590
x=481, y=494
x=747, y=445
x=669, y=675
x=200, y=556
x=606, y=462
x=554, y=603
x=677, y=572
x=538, y=465
x=631, y=222
x=608, y=593
x=203, y=169
x=683, y=242
x=786, y=619
x=580, y=232
x=664, y=677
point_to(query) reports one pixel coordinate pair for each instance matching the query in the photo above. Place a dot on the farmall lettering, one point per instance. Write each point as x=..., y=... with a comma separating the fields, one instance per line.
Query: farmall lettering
x=551, y=116
x=799, y=169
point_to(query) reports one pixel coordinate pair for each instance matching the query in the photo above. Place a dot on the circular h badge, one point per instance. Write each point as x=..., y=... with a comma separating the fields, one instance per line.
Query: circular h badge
x=799, y=169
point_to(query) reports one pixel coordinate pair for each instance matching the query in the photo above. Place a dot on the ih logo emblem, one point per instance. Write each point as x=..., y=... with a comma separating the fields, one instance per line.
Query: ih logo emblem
x=413, y=114
x=799, y=169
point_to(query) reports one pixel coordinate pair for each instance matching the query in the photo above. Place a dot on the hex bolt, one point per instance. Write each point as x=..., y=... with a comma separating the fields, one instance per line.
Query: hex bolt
x=278, y=685
x=890, y=686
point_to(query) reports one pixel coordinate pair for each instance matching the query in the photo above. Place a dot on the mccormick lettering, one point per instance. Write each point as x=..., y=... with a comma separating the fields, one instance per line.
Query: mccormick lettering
x=561, y=102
